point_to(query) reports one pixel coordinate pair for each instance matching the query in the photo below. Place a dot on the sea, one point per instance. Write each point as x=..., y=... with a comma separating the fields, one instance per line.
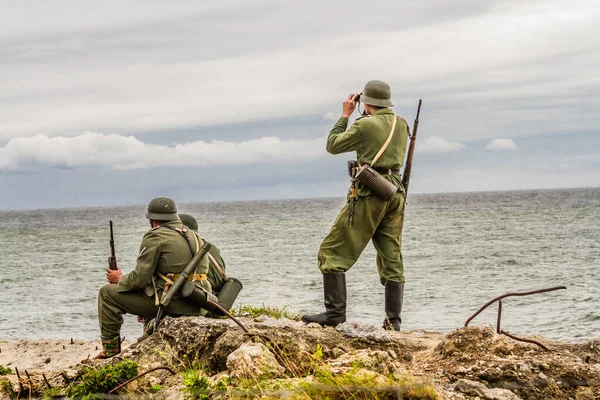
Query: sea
x=460, y=251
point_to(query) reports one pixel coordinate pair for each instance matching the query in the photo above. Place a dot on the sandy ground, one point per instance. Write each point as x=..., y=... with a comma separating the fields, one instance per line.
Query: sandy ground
x=45, y=355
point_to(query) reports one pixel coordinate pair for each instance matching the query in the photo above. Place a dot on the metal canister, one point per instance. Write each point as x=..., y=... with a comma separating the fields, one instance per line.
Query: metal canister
x=377, y=183
x=229, y=292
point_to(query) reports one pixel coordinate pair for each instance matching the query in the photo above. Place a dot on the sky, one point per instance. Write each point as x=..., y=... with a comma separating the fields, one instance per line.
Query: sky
x=114, y=103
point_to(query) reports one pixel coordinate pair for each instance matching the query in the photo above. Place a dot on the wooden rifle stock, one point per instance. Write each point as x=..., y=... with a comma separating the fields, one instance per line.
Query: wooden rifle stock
x=411, y=151
x=112, y=260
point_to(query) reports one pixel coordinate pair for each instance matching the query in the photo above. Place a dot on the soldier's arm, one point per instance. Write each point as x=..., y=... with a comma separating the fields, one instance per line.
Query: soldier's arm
x=341, y=140
x=145, y=266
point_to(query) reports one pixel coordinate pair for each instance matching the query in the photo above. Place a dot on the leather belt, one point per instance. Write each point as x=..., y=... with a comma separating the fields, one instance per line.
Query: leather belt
x=387, y=171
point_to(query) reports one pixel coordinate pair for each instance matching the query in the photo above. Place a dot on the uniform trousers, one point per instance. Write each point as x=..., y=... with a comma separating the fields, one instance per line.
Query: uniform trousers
x=112, y=305
x=374, y=219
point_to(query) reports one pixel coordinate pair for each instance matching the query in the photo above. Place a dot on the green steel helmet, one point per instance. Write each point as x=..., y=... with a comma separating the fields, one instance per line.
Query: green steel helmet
x=162, y=209
x=189, y=221
x=377, y=93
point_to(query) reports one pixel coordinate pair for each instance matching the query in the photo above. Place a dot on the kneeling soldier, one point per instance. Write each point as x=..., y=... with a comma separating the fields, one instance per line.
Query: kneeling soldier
x=165, y=251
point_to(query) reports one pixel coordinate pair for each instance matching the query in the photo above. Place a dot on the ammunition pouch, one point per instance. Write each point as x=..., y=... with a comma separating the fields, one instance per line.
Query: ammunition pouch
x=198, y=296
x=372, y=179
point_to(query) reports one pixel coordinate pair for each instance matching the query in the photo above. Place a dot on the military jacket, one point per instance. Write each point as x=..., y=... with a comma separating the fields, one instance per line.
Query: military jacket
x=366, y=136
x=162, y=250
x=215, y=276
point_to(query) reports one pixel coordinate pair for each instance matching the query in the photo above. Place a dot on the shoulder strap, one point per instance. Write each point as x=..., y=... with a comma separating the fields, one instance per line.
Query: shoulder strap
x=387, y=142
x=184, y=233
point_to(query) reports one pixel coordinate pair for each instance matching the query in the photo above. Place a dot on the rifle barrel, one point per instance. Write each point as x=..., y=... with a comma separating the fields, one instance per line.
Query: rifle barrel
x=411, y=151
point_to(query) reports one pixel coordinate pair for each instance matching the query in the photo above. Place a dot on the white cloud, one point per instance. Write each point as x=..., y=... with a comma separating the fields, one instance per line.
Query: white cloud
x=436, y=144
x=149, y=67
x=501, y=144
x=128, y=152
x=331, y=117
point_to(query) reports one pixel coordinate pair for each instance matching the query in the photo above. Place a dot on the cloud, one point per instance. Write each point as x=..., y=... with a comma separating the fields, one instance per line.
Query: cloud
x=436, y=144
x=147, y=69
x=127, y=152
x=501, y=144
x=331, y=117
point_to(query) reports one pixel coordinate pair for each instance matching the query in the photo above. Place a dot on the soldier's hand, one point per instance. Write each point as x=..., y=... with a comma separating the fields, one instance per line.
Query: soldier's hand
x=113, y=275
x=349, y=105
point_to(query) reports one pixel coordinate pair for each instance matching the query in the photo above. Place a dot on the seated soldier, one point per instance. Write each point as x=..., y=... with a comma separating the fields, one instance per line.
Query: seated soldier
x=165, y=251
x=216, y=270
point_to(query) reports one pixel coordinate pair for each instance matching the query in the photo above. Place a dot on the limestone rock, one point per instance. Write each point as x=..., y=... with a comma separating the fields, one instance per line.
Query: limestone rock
x=253, y=360
x=362, y=330
x=473, y=388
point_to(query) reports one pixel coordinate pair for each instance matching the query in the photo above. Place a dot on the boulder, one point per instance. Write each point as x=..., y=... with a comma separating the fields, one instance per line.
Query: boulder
x=253, y=360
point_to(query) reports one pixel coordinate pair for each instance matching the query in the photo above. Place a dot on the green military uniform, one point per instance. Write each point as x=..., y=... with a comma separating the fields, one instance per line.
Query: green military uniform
x=373, y=218
x=163, y=251
x=216, y=265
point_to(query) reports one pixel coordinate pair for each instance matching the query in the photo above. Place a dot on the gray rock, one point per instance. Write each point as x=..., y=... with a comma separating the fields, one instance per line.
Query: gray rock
x=253, y=360
x=473, y=388
x=362, y=330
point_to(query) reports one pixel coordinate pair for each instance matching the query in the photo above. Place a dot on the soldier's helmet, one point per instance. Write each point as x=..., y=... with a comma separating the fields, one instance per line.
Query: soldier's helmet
x=189, y=221
x=162, y=209
x=377, y=93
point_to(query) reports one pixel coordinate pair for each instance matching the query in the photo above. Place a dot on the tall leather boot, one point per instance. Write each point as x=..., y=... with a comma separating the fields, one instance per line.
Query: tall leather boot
x=334, y=288
x=394, y=295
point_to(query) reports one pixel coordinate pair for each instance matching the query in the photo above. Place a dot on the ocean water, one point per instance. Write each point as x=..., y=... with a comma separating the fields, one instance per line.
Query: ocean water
x=460, y=250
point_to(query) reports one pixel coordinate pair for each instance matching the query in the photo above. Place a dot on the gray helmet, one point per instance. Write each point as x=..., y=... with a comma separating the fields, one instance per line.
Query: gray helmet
x=377, y=93
x=162, y=209
x=189, y=221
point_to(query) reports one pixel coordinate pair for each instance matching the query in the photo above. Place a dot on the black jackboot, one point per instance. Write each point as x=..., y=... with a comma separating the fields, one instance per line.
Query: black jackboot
x=334, y=288
x=394, y=294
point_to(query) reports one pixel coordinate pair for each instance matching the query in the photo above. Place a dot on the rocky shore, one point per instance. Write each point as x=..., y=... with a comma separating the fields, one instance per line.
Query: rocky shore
x=199, y=358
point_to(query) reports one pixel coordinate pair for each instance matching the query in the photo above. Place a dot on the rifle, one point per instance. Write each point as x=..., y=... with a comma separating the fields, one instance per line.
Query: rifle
x=168, y=293
x=411, y=151
x=112, y=260
x=352, y=165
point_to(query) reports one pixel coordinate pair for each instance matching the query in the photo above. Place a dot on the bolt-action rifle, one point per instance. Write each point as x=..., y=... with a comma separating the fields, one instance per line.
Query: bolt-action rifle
x=169, y=292
x=352, y=166
x=411, y=151
x=112, y=260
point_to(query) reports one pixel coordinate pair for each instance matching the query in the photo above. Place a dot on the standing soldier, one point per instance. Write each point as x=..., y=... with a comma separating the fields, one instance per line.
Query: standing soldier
x=165, y=251
x=367, y=216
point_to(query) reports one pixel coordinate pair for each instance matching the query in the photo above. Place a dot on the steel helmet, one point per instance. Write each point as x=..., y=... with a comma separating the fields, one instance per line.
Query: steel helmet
x=189, y=221
x=162, y=209
x=377, y=93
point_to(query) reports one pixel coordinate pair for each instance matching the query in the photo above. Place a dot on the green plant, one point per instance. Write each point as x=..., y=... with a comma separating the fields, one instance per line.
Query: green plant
x=6, y=388
x=52, y=393
x=5, y=370
x=243, y=310
x=156, y=388
x=197, y=384
x=102, y=380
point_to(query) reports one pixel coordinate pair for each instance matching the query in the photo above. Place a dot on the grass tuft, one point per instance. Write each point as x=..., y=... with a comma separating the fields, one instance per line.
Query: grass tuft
x=245, y=310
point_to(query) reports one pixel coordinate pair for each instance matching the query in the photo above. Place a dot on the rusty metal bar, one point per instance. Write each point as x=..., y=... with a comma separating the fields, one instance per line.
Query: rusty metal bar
x=486, y=305
x=499, y=316
x=524, y=340
x=229, y=315
x=21, y=388
x=139, y=376
x=46, y=380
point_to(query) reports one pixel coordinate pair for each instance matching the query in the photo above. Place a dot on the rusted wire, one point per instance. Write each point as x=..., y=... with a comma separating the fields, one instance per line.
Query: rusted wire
x=486, y=305
x=228, y=314
x=139, y=376
x=524, y=340
x=499, y=300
